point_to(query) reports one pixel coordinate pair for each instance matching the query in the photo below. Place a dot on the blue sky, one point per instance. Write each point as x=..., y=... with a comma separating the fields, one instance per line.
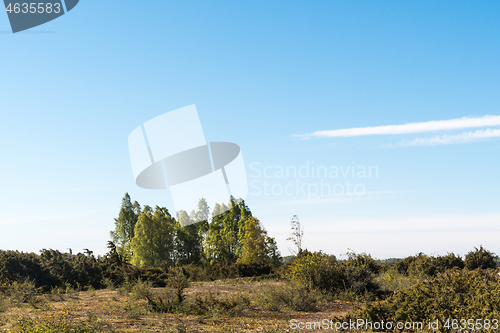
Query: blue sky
x=260, y=74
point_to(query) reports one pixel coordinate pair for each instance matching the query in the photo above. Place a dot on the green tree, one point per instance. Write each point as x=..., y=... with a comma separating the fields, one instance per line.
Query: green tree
x=230, y=229
x=273, y=253
x=223, y=241
x=188, y=240
x=254, y=249
x=124, y=227
x=243, y=216
x=214, y=248
x=201, y=215
x=153, y=242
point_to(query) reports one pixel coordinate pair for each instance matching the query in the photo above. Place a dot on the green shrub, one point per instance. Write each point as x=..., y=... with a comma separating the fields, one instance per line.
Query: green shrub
x=24, y=292
x=194, y=272
x=108, y=283
x=283, y=271
x=20, y=266
x=91, y=291
x=79, y=270
x=293, y=296
x=319, y=271
x=169, y=304
x=210, y=304
x=448, y=261
x=314, y=270
x=141, y=289
x=393, y=280
x=358, y=281
x=456, y=294
x=51, y=269
x=419, y=265
x=363, y=260
x=423, y=265
x=58, y=321
x=133, y=310
x=231, y=270
x=178, y=280
x=480, y=258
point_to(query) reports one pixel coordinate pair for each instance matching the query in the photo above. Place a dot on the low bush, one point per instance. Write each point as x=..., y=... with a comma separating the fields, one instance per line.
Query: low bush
x=392, y=280
x=178, y=280
x=419, y=265
x=293, y=296
x=60, y=321
x=210, y=304
x=480, y=258
x=314, y=270
x=363, y=260
x=422, y=265
x=24, y=292
x=133, y=310
x=54, y=269
x=230, y=270
x=141, y=289
x=199, y=304
x=449, y=261
x=319, y=271
x=20, y=266
x=456, y=294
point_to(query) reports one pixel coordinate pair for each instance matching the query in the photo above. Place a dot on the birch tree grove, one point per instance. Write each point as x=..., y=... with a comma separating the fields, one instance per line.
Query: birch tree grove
x=152, y=237
x=124, y=227
x=153, y=242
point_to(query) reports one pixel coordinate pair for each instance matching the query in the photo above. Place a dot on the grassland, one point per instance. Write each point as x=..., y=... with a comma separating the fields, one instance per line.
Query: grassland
x=235, y=305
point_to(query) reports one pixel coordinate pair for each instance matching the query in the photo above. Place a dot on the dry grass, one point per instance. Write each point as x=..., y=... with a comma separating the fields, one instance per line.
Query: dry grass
x=119, y=311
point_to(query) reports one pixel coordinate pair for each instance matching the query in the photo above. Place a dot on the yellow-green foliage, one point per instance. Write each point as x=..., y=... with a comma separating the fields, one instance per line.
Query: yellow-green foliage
x=423, y=265
x=480, y=258
x=363, y=260
x=456, y=294
x=253, y=243
x=153, y=238
x=276, y=298
x=392, y=280
x=61, y=321
x=315, y=270
x=319, y=271
x=24, y=292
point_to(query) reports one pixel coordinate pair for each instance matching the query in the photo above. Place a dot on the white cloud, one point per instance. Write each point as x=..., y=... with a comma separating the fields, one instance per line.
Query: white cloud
x=428, y=126
x=453, y=138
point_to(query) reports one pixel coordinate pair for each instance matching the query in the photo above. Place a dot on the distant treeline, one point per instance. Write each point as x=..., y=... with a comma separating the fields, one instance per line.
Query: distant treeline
x=389, y=260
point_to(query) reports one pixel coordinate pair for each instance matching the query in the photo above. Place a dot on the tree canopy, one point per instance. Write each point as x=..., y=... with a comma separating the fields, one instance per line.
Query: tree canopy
x=152, y=237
